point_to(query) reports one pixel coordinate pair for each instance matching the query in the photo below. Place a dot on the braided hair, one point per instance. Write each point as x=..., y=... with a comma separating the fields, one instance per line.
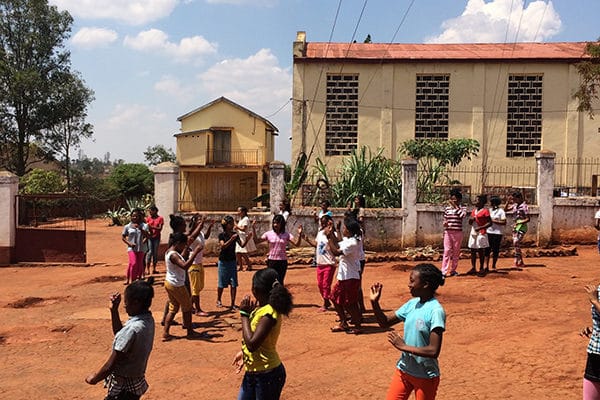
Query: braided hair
x=431, y=274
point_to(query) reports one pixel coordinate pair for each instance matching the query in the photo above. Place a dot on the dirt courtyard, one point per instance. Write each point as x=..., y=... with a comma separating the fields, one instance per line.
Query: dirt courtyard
x=510, y=335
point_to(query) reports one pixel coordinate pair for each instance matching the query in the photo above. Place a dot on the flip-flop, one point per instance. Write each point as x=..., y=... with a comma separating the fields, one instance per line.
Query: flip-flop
x=168, y=338
x=339, y=328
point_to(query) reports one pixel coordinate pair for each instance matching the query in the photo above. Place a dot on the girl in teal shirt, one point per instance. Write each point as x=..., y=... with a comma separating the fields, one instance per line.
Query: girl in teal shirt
x=424, y=324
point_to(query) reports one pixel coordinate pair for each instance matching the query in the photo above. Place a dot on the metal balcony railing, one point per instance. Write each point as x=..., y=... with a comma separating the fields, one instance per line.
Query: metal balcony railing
x=234, y=157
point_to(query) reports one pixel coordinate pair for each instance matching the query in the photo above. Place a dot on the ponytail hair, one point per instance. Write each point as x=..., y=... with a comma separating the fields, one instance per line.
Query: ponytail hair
x=176, y=221
x=431, y=274
x=176, y=238
x=265, y=282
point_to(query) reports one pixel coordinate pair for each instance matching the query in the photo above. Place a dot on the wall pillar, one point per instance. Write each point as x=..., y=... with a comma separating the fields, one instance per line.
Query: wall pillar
x=166, y=193
x=409, y=203
x=9, y=187
x=277, y=185
x=544, y=194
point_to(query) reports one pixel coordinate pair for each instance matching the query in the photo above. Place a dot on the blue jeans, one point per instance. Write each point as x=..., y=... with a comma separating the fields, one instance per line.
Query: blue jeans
x=152, y=255
x=263, y=386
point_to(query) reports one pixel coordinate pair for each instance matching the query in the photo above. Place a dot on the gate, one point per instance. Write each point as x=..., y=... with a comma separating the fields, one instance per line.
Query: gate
x=50, y=228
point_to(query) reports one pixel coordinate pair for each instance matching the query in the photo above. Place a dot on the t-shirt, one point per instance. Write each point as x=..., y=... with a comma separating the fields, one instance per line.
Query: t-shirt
x=419, y=320
x=134, y=235
x=481, y=217
x=155, y=223
x=321, y=213
x=277, y=244
x=227, y=253
x=250, y=246
x=594, y=344
x=598, y=217
x=198, y=242
x=265, y=357
x=175, y=274
x=453, y=217
x=349, y=265
x=520, y=212
x=324, y=256
x=498, y=214
x=134, y=340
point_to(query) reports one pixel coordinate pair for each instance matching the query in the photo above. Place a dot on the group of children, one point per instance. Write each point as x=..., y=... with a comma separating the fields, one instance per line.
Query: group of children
x=423, y=316
x=485, y=236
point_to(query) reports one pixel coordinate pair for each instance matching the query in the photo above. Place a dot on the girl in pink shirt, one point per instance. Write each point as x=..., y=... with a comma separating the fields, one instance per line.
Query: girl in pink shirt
x=278, y=239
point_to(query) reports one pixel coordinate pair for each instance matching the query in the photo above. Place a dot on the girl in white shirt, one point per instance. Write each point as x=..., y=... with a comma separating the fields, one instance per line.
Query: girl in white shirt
x=179, y=296
x=346, y=291
x=495, y=232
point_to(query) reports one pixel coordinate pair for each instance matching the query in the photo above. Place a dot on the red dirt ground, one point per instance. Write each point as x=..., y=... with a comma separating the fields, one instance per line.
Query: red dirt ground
x=510, y=335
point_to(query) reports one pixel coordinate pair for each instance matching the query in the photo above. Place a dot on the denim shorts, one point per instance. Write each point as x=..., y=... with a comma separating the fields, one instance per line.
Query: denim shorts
x=263, y=385
x=227, y=274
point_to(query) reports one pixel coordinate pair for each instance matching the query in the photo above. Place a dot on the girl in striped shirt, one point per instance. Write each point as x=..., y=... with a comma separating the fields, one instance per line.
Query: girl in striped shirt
x=454, y=213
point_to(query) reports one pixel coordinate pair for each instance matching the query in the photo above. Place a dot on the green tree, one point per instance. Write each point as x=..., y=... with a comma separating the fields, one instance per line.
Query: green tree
x=589, y=71
x=157, y=154
x=71, y=101
x=132, y=180
x=33, y=64
x=433, y=158
x=39, y=181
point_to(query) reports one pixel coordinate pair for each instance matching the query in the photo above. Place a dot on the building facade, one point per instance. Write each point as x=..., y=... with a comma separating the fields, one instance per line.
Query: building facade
x=223, y=152
x=513, y=98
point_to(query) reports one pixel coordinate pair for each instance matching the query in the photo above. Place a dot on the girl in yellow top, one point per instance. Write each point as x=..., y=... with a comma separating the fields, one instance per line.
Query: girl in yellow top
x=261, y=324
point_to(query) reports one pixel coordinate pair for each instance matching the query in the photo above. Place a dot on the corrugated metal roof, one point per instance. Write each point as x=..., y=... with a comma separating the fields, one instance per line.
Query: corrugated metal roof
x=562, y=51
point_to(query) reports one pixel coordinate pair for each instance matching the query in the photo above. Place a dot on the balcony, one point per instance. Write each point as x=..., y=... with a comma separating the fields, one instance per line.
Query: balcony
x=234, y=157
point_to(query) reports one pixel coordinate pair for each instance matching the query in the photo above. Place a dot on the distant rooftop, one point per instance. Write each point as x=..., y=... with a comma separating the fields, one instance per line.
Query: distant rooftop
x=382, y=52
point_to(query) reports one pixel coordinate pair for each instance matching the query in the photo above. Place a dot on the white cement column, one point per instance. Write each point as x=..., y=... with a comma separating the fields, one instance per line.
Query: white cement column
x=276, y=185
x=545, y=185
x=9, y=186
x=166, y=193
x=409, y=203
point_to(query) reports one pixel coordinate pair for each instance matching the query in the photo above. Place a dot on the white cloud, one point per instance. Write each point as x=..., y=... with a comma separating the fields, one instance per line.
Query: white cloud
x=188, y=49
x=89, y=38
x=133, y=12
x=487, y=22
x=258, y=83
x=254, y=81
x=173, y=87
x=134, y=116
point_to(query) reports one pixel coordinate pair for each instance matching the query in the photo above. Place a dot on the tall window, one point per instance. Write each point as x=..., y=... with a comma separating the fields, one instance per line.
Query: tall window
x=524, y=115
x=431, y=108
x=341, y=117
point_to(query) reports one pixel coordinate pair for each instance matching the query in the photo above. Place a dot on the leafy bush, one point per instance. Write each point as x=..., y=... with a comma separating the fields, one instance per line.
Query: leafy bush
x=39, y=181
x=132, y=180
x=433, y=158
x=376, y=177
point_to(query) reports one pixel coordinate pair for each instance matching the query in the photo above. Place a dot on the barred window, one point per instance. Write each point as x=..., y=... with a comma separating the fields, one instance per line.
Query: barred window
x=341, y=116
x=431, y=108
x=524, y=115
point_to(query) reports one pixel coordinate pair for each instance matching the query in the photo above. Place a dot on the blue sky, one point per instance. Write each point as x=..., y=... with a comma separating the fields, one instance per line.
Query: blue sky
x=151, y=61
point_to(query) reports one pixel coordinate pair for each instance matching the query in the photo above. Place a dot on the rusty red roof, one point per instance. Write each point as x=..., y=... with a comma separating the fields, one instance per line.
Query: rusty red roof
x=563, y=51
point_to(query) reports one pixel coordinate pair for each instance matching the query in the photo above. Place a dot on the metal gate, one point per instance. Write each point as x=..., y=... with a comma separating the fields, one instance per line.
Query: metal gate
x=51, y=228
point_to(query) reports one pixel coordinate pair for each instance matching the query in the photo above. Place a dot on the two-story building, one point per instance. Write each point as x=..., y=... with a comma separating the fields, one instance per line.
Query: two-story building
x=223, y=151
x=514, y=98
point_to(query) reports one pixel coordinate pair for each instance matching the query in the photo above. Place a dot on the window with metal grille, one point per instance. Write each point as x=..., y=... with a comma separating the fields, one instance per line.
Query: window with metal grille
x=524, y=115
x=431, y=108
x=341, y=116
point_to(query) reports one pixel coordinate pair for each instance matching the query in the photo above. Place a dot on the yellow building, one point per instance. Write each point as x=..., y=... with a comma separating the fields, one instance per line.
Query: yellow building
x=223, y=151
x=513, y=98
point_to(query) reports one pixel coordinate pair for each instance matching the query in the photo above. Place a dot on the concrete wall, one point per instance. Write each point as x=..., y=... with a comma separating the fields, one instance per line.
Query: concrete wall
x=9, y=186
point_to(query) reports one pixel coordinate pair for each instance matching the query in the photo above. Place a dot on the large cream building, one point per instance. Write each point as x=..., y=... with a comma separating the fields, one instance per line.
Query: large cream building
x=514, y=98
